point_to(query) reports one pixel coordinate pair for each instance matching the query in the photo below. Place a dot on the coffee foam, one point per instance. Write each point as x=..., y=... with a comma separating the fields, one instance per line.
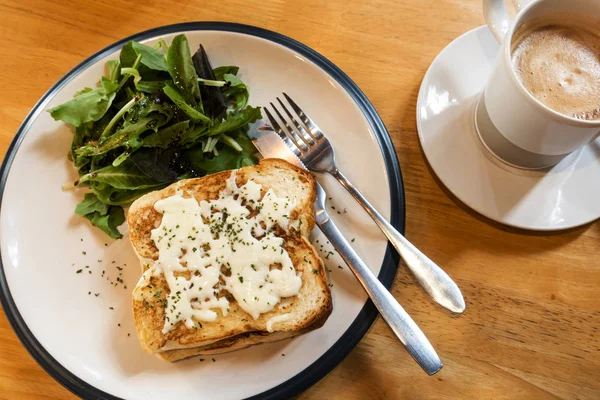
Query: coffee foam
x=557, y=59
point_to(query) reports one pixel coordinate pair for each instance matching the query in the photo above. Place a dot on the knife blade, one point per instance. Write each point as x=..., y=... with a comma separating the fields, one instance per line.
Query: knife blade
x=271, y=145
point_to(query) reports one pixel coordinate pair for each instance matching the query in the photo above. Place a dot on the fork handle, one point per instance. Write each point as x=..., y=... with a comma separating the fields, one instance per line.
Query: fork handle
x=397, y=318
x=431, y=277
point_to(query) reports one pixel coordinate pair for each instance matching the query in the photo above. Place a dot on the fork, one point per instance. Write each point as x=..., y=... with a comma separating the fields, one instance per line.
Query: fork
x=311, y=146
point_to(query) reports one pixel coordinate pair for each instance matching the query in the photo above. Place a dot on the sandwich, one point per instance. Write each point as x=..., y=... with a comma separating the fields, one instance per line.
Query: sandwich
x=226, y=262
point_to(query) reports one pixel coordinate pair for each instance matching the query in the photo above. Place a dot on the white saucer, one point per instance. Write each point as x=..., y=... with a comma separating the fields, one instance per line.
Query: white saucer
x=564, y=196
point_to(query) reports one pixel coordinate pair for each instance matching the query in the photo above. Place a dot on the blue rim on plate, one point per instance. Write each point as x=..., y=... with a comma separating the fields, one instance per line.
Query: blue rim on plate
x=359, y=327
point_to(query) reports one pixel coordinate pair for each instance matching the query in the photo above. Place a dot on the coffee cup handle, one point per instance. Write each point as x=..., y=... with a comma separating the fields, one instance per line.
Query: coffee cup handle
x=497, y=18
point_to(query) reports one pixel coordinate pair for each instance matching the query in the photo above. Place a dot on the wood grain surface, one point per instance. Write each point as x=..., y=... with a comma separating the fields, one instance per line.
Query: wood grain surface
x=531, y=329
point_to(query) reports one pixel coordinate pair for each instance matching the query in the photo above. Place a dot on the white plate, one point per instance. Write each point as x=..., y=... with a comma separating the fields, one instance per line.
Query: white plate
x=76, y=336
x=560, y=197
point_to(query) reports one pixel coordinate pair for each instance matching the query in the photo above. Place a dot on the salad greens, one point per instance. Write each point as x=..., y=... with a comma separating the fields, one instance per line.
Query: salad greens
x=160, y=115
x=101, y=215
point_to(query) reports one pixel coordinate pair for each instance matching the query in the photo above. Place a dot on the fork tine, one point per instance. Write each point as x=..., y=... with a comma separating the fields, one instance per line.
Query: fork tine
x=309, y=140
x=301, y=144
x=313, y=129
x=292, y=146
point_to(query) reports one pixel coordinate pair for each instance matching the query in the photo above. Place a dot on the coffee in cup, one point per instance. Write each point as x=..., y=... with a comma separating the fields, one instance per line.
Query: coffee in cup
x=556, y=57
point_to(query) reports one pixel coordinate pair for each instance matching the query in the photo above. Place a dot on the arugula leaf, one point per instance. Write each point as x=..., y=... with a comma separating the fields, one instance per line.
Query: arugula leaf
x=189, y=137
x=236, y=120
x=105, y=217
x=107, y=131
x=130, y=71
x=109, y=223
x=81, y=135
x=112, y=196
x=221, y=71
x=126, y=176
x=108, y=85
x=246, y=144
x=114, y=70
x=98, y=162
x=87, y=106
x=84, y=90
x=156, y=163
x=150, y=86
x=168, y=136
x=151, y=57
x=143, y=85
x=128, y=55
x=237, y=93
x=227, y=159
x=155, y=103
x=149, y=113
x=181, y=69
x=90, y=204
x=162, y=45
x=177, y=98
x=127, y=136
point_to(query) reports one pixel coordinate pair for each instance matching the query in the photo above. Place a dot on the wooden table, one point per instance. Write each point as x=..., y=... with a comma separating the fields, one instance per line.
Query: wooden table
x=532, y=325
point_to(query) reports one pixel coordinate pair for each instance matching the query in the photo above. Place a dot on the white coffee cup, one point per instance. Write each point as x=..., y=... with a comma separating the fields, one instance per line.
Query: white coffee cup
x=511, y=122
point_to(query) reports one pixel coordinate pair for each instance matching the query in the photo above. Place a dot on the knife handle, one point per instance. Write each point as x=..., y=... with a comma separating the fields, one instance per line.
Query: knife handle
x=397, y=318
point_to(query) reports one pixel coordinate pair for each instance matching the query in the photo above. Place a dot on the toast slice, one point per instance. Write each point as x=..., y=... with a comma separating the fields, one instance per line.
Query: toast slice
x=237, y=329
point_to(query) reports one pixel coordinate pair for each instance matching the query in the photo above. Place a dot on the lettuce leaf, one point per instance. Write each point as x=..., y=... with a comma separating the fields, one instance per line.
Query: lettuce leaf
x=101, y=215
x=87, y=106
